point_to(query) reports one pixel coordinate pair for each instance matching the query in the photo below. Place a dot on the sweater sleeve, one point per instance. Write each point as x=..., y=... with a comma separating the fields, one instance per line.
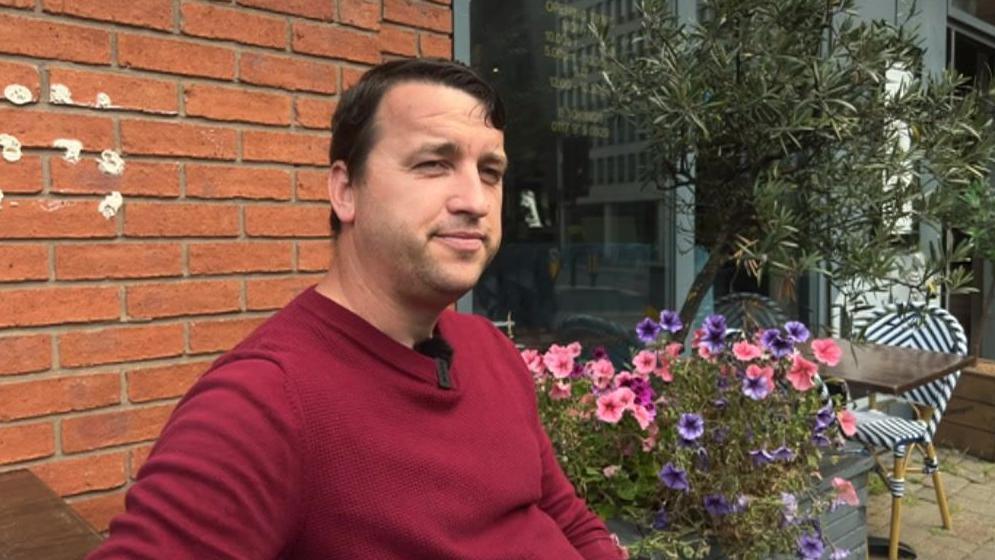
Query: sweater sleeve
x=224, y=479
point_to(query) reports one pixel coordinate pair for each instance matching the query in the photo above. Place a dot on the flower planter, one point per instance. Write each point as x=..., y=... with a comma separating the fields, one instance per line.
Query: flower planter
x=846, y=527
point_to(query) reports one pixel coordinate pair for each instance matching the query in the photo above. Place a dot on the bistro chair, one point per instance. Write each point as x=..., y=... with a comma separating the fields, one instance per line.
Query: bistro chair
x=912, y=419
x=748, y=311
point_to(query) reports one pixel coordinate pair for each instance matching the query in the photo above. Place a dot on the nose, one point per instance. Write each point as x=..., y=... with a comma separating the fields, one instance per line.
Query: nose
x=471, y=195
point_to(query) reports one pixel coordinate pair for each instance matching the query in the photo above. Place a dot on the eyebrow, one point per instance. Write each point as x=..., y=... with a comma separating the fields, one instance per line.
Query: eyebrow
x=451, y=150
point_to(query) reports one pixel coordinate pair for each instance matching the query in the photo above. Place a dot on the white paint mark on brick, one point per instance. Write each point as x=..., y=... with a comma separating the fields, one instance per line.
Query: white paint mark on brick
x=103, y=101
x=72, y=147
x=110, y=163
x=52, y=205
x=110, y=205
x=18, y=94
x=1, y=200
x=60, y=94
x=11, y=148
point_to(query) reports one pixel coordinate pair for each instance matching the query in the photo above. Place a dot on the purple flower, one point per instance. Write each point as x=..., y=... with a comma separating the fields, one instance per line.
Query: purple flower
x=756, y=388
x=715, y=323
x=779, y=346
x=578, y=370
x=685, y=442
x=599, y=353
x=767, y=337
x=810, y=546
x=783, y=454
x=761, y=457
x=670, y=321
x=647, y=330
x=790, y=511
x=820, y=440
x=796, y=331
x=720, y=403
x=716, y=505
x=661, y=521
x=690, y=426
x=674, y=478
x=824, y=418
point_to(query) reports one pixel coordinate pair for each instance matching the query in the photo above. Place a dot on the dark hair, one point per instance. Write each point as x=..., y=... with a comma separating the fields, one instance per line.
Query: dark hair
x=353, y=130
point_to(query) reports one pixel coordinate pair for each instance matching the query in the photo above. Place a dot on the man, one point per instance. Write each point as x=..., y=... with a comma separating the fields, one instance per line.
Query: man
x=365, y=420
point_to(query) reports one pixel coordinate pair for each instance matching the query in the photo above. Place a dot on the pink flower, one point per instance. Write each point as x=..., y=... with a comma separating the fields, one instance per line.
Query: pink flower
x=612, y=405
x=673, y=349
x=560, y=391
x=826, y=351
x=848, y=422
x=704, y=353
x=533, y=361
x=574, y=349
x=663, y=370
x=643, y=416
x=602, y=372
x=802, y=373
x=645, y=362
x=754, y=371
x=610, y=471
x=559, y=360
x=744, y=351
x=845, y=492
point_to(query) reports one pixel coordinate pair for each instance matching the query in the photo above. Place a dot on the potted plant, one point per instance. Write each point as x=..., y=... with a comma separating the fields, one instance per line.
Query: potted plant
x=717, y=448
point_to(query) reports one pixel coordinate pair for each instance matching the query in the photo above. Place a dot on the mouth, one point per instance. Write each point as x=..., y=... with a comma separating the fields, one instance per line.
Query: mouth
x=462, y=240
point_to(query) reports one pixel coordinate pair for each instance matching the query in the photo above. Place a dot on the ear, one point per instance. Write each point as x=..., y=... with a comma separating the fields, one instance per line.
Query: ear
x=341, y=192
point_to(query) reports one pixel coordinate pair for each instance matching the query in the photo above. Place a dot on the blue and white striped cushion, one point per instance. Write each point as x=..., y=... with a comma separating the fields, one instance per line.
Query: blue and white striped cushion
x=749, y=311
x=884, y=430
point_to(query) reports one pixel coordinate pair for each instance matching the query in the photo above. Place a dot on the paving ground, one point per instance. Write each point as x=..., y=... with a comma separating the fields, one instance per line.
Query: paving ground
x=970, y=485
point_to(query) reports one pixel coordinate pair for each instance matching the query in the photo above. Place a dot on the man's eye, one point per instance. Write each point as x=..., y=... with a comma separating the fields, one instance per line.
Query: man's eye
x=492, y=175
x=434, y=165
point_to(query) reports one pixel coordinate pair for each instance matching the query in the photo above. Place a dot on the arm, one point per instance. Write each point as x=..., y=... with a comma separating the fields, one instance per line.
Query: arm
x=224, y=479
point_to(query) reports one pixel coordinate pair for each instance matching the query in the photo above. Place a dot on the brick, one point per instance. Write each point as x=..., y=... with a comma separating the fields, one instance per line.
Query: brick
x=104, y=261
x=284, y=147
x=360, y=13
x=140, y=178
x=27, y=441
x=315, y=9
x=36, y=219
x=235, y=104
x=126, y=92
x=314, y=256
x=335, y=42
x=23, y=74
x=432, y=45
x=239, y=256
x=419, y=14
x=314, y=113
x=223, y=181
x=289, y=73
x=274, y=293
x=137, y=457
x=398, y=40
x=350, y=76
x=149, y=301
x=177, y=139
x=216, y=22
x=85, y=474
x=175, y=56
x=38, y=128
x=287, y=221
x=220, y=335
x=32, y=307
x=163, y=382
x=156, y=219
x=99, y=510
x=155, y=14
x=120, y=344
x=312, y=185
x=18, y=3
x=23, y=262
x=25, y=354
x=64, y=394
x=96, y=431
x=23, y=176
x=72, y=43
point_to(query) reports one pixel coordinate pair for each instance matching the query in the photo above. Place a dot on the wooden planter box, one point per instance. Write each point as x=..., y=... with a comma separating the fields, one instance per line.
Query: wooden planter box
x=846, y=527
x=969, y=422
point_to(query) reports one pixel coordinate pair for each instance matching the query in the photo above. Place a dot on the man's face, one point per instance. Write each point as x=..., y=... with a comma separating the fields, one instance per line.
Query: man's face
x=428, y=207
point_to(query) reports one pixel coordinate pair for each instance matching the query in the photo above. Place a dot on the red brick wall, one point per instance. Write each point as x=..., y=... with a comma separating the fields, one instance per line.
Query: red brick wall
x=220, y=111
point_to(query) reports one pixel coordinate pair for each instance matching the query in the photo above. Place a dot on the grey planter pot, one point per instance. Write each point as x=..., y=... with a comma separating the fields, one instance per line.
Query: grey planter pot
x=846, y=527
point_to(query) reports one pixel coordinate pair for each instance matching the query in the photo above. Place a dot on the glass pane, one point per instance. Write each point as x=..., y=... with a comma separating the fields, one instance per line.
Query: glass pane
x=583, y=237
x=981, y=9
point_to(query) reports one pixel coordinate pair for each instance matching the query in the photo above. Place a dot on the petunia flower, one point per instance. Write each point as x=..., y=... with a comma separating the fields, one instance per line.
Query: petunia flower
x=559, y=360
x=690, y=426
x=790, y=509
x=796, y=331
x=820, y=440
x=560, y=391
x=802, y=373
x=826, y=351
x=574, y=349
x=810, y=546
x=783, y=453
x=670, y=321
x=599, y=353
x=673, y=349
x=845, y=492
x=611, y=470
x=779, y=346
x=848, y=422
x=533, y=361
x=824, y=417
x=612, y=405
x=645, y=362
x=716, y=505
x=643, y=416
x=754, y=371
x=663, y=370
x=761, y=457
x=674, y=478
x=602, y=371
x=757, y=388
x=647, y=330
x=745, y=352
x=661, y=521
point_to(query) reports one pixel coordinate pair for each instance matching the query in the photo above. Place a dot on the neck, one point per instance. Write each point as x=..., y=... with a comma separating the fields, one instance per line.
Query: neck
x=350, y=285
